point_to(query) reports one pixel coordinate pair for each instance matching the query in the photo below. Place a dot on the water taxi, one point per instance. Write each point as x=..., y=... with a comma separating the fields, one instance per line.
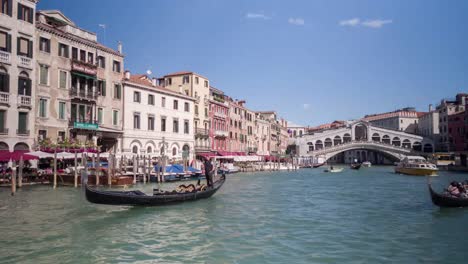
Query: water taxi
x=416, y=165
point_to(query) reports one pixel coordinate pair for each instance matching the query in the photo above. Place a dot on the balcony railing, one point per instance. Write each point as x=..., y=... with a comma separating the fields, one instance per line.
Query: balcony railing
x=71, y=121
x=3, y=131
x=22, y=132
x=25, y=61
x=5, y=57
x=4, y=98
x=24, y=101
x=220, y=133
x=219, y=114
x=201, y=132
x=83, y=94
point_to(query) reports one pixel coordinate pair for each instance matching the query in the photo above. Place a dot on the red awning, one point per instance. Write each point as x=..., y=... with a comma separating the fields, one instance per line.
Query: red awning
x=206, y=155
x=15, y=156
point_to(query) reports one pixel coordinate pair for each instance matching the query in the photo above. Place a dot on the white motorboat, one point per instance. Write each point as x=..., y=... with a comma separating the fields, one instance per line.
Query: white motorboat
x=367, y=164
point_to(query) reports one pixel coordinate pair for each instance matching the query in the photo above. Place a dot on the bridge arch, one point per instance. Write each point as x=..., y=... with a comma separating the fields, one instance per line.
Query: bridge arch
x=337, y=140
x=328, y=143
x=396, y=141
x=406, y=143
x=318, y=144
x=386, y=139
x=376, y=137
x=417, y=146
x=362, y=153
x=360, y=132
x=346, y=138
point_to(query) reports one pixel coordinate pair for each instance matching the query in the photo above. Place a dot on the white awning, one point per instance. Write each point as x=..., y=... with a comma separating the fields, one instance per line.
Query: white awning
x=41, y=154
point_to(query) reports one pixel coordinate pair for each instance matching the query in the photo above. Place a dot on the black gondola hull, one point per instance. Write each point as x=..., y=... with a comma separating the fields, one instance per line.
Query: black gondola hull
x=141, y=199
x=446, y=201
x=355, y=166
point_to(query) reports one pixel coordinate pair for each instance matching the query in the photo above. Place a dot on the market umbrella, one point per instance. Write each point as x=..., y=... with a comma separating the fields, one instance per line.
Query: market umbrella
x=41, y=154
x=15, y=156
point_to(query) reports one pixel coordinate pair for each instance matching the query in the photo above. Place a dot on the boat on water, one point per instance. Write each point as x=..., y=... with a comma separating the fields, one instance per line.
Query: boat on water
x=446, y=200
x=366, y=164
x=139, y=198
x=317, y=165
x=334, y=170
x=228, y=168
x=416, y=165
x=355, y=166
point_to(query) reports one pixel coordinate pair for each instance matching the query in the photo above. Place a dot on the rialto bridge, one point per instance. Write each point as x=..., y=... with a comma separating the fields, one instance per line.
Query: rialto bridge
x=361, y=135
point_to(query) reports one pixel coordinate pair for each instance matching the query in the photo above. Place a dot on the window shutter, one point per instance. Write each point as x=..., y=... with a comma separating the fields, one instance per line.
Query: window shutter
x=18, y=46
x=20, y=86
x=10, y=8
x=31, y=16
x=30, y=49
x=20, y=13
x=6, y=83
x=119, y=91
x=103, y=92
x=8, y=43
x=28, y=87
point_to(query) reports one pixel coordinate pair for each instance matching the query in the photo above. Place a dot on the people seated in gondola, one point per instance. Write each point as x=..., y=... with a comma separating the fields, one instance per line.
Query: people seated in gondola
x=457, y=189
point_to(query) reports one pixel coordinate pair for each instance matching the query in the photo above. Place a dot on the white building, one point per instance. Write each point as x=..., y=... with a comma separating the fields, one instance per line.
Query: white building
x=151, y=113
x=428, y=125
x=405, y=120
x=17, y=75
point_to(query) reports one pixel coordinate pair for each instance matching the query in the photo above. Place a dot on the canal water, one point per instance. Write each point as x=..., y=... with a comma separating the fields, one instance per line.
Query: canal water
x=366, y=216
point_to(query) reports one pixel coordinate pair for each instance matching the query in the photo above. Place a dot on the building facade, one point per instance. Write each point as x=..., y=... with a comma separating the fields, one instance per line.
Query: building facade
x=428, y=125
x=405, y=120
x=445, y=109
x=458, y=134
x=198, y=87
x=237, y=129
x=219, y=116
x=17, y=74
x=262, y=132
x=156, y=120
x=79, y=92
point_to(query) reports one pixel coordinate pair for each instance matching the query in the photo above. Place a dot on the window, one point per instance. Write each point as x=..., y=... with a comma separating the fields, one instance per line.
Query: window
x=82, y=55
x=63, y=50
x=43, y=108
x=185, y=79
x=101, y=87
x=135, y=149
x=6, y=7
x=196, y=80
x=90, y=58
x=101, y=60
x=24, y=86
x=2, y=122
x=43, y=74
x=23, y=123
x=169, y=81
x=42, y=134
x=4, y=82
x=25, y=13
x=206, y=112
x=150, y=99
x=63, y=79
x=206, y=84
x=151, y=123
x=149, y=149
x=5, y=41
x=100, y=113
x=136, y=121
x=62, y=110
x=116, y=66
x=186, y=107
x=136, y=97
x=174, y=151
x=175, y=125
x=163, y=124
x=25, y=47
x=61, y=136
x=196, y=109
x=115, y=117
x=163, y=102
x=74, y=53
x=117, y=91
x=176, y=105
x=44, y=44
x=186, y=127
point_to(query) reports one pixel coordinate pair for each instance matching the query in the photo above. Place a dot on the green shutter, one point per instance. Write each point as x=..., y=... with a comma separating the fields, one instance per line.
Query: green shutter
x=8, y=47
x=18, y=46
x=103, y=88
x=20, y=13
x=119, y=91
x=30, y=49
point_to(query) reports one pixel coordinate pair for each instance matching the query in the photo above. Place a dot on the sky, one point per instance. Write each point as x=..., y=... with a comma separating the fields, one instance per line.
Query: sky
x=311, y=61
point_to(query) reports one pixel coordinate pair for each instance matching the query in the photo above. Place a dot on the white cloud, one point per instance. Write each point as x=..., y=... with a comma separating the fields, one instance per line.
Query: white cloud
x=306, y=106
x=376, y=23
x=296, y=21
x=257, y=16
x=350, y=22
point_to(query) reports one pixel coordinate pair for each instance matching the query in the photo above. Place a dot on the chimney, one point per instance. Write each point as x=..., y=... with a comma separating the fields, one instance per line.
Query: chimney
x=430, y=108
x=119, y=47
x=154, y=81
x=127, y=75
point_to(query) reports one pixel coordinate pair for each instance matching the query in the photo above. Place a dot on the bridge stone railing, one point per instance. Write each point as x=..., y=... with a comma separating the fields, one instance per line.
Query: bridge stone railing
x=348, y=145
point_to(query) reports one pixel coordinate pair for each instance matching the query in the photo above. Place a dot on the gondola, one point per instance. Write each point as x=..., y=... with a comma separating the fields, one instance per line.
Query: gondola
x=355, y=166
x=140, y=198
x=447, y=201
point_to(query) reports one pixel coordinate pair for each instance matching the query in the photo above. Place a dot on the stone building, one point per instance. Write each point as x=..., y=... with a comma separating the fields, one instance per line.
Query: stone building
x=17, y=74
x=446, y=108
x=219, y=116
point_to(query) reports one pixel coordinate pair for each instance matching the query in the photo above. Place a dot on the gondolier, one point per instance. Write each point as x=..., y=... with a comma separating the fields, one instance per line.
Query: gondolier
x=209, y=169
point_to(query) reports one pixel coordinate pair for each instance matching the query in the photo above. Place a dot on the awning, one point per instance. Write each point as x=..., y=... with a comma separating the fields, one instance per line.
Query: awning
x=41, y=154
x=15, y=156
x=84, y=75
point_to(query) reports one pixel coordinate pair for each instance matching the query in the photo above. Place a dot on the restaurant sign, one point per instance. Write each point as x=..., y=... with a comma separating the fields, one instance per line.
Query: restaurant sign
x=88, y=126
x=86, y=69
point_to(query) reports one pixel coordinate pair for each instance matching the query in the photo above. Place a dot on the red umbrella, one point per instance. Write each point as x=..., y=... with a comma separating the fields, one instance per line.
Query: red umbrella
x=15, y=156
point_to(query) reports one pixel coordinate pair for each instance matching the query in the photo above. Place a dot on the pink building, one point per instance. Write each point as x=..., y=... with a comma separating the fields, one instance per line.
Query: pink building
x=219, y=117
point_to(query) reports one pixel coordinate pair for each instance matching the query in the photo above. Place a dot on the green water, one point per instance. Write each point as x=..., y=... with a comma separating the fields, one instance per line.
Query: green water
x=366, y=216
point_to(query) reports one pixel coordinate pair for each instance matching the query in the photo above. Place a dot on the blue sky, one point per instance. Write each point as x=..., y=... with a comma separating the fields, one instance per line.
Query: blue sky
x=312, y=61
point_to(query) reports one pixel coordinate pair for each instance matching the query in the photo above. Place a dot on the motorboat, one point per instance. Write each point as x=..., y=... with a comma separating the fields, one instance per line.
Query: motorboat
x=335, y=170
x=416, y=165
x=366, y=164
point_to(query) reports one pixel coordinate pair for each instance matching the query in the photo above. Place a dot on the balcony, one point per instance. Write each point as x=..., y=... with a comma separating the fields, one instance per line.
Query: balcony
x=5, y=57
x=3, y=131
x=22, y=132
x=4, y=98
x=201, y=132
x=84, y=67
x=24, y=101
x=221, y=134
x=82, y=94
x=219, y=114
x=25, y=62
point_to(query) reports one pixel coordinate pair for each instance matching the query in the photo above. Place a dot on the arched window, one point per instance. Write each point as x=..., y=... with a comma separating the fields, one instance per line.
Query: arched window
x=135, y=149
x=21, y=146
x=318, y=145
x=4, y=80
x=406, y=143
x=346, y=138
x=386, y=139
x=376, y=137
x=328, y=142
x=174, y=151
x=4, y=146
x=417, y=146
x=149, y=149
x=396, y=141
x=337, y=140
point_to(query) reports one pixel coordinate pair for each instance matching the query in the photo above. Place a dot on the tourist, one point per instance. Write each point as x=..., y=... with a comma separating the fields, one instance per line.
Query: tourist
x=453, y=189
